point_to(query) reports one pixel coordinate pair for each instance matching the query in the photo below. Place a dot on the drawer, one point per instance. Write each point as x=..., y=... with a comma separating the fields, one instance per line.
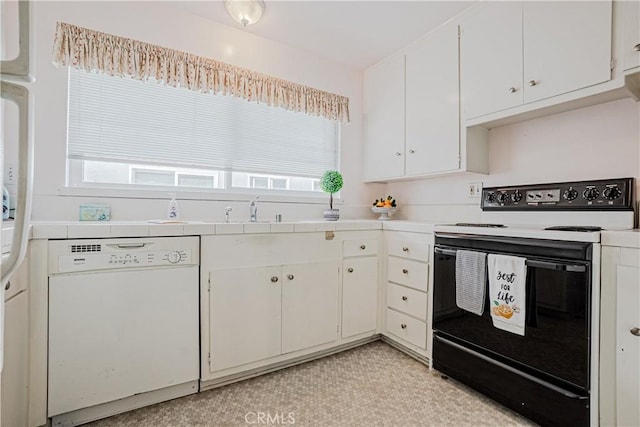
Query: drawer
x=407, y=328
x=360, y=247
x=407, y=300
x=407, y=245
x=410, y=273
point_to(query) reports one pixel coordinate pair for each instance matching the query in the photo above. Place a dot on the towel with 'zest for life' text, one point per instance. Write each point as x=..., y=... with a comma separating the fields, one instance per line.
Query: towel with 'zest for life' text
x=507, y=292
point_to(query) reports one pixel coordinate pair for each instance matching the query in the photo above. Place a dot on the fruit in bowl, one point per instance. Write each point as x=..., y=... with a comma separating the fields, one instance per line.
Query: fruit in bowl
x=385, y=207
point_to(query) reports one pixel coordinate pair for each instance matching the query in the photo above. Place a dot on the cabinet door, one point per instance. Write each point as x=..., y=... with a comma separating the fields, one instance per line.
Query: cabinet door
x=628, y=346
x=309, y=305
x=631, y=35
x=384, y=120
x=567, y=46
x=245, y=316
x=359, y=296
x=432, y=108
x=491, y=59
x=16, y=360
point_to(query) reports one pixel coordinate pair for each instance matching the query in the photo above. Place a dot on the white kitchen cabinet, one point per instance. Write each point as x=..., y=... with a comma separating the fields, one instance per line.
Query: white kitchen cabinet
x=412, y=104
x=264, y=296
x=631, y=35
x=245, y=315
x=309, y=305
x=15, y=373
x=432, y=104
x=628, y=346
x=384, y=152
x=491, y=59
x=408, y=299
x=359, y=295
x=620, y=337
x=515, y=53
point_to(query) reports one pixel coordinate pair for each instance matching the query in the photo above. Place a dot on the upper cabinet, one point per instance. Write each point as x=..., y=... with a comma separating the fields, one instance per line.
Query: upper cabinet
x=631, y=36
x=412, y=114
x=432, y=116
x=384, y=121
x=518, y=53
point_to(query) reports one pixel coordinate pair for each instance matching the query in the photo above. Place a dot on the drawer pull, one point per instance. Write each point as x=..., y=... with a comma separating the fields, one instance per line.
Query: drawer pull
x=635, y=331
x=363, y=247
x=403, y=326
x=637, y=47
x=290, y=277
x=405, y=249
x=350, y=270
x=512, y=90
x=404, y=298
x=7, y=286
x=532, y=83
x=405, y=271
x=274, y=279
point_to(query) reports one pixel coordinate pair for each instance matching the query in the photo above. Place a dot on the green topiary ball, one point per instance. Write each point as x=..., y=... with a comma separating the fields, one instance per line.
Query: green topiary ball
x=331, y=182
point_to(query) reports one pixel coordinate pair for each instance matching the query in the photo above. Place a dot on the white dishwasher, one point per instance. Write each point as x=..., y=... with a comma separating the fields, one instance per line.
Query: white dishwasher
x=123, y=325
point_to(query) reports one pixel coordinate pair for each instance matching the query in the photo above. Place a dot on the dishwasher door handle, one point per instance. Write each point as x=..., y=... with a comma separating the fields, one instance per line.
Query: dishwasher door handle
x=131, y=245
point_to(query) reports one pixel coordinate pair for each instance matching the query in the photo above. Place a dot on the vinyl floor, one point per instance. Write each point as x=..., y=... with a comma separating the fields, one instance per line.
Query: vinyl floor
x=371, y=385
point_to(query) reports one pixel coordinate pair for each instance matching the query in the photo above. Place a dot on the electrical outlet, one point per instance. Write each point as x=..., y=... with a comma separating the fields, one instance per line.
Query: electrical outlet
x=474, y=190
x=10, y=174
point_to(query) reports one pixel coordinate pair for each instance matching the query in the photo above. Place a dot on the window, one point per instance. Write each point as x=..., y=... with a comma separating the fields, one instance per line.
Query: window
x=128, y=133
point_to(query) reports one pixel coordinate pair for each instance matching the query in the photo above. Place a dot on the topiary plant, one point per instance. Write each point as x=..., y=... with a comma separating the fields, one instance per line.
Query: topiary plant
x=331, y=182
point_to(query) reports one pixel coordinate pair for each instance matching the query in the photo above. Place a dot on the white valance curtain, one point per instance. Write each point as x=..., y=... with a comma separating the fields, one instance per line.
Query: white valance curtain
x=119, y=56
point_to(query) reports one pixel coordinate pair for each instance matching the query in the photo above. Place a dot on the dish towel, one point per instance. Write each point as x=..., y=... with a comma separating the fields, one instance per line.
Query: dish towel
x=470, y=280
x=507, y=290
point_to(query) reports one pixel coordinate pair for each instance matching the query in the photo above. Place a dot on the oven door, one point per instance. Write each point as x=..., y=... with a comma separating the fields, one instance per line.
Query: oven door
x=555, y=347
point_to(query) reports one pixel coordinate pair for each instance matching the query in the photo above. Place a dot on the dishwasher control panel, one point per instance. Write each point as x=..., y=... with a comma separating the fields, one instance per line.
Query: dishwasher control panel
x=68, y=256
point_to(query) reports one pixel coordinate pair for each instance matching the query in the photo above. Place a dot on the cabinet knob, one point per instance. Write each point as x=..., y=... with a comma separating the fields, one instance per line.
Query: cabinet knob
x=398, y=153
x=404, y=298
x=532, y=82
x=403, y=326
x=274, y=279
x=405, y=271
x=363, y=247
x=290, y=277
x=405, y=249
x=512, y=89
x=635, y=331
x=412, y=151
x=350, y=270
x=7, y=286
x=637, y=47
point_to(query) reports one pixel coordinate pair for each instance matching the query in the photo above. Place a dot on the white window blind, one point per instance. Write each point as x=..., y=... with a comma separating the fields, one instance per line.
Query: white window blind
x=128, y=121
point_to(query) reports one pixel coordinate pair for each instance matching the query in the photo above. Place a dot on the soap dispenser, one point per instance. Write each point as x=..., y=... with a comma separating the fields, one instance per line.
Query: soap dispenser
x=173, y=211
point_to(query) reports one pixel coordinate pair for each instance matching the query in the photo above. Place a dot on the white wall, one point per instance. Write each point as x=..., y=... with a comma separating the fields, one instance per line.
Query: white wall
x=597, y=142
x=158, y=23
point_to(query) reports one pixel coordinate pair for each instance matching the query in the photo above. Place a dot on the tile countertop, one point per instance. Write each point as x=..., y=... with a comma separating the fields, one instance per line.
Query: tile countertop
x=80, y=230
x=622, y=238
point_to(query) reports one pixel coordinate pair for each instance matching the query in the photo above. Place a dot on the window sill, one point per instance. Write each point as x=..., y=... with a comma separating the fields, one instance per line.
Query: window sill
x=220, y=196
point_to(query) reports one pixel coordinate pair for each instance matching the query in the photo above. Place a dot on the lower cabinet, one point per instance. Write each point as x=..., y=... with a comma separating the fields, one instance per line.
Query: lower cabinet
x=620, y=337
x=359, y=296
x=15, y=372
x=262, y=312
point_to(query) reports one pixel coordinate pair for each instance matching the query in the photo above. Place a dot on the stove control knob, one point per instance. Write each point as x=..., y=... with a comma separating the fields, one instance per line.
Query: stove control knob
x=517, y=196
x=570, y=194
x=611, y=193
x=591, y=193
x=491, y=197
x=174, y=257
x=501, y=197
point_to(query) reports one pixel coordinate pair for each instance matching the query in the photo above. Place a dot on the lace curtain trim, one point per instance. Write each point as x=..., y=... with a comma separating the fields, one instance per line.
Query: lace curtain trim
x=119, y=56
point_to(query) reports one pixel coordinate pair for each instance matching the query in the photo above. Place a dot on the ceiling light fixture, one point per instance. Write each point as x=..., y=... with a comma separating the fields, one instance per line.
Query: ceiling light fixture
x=246, y=12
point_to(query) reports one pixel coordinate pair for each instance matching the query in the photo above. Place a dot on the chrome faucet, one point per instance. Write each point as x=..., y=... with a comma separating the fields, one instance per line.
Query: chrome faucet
x=253, y=210
x=226, y=213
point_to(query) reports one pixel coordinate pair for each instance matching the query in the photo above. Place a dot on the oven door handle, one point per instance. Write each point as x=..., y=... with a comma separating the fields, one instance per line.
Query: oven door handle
x=558, y=266
x=549, y=265
x=449, y=252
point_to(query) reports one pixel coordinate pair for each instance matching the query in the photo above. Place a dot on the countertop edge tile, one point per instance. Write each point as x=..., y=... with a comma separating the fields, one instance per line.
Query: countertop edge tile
x=621, y=238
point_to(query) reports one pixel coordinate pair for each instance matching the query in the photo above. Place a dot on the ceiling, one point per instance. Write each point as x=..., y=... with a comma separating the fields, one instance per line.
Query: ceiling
x=355, y=33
